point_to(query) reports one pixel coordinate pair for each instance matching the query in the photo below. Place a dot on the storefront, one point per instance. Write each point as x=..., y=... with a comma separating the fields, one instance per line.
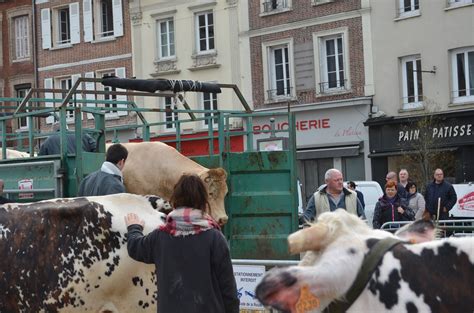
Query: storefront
x=329, y=135
x=423, y=143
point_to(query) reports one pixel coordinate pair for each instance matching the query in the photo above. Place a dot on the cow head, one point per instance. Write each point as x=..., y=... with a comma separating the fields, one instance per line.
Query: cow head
x=336, y=248
x=215, y=181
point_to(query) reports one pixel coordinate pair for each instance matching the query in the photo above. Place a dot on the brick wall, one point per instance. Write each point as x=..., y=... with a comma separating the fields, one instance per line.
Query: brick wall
x=304, y=10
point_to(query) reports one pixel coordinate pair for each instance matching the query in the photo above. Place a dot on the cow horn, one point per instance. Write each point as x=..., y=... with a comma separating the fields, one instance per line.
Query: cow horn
x=308, y=239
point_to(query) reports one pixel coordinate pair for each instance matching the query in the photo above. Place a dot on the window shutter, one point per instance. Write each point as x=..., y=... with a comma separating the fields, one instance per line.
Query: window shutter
x=48, y=84
x=46, y=28
x=87, y=16
x=90, y=86
x=74, y=18
x=120, y=72
x=118, y=18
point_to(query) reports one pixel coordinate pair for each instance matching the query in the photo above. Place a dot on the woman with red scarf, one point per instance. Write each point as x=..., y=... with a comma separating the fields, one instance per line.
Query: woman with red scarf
x=191, y=256
x=391, y=208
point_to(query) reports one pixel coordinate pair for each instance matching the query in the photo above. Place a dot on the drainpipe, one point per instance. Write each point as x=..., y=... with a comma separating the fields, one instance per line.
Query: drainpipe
x=35, y=58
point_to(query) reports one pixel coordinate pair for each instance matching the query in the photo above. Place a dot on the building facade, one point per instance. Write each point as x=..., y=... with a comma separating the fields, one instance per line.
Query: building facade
x=188, y=40
x=17, y=58
x=88, y=38
x=314, y=58
x=424, y=98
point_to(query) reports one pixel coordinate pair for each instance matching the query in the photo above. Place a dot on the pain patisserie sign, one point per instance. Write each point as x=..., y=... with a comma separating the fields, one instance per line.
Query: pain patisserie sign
x=437, y=132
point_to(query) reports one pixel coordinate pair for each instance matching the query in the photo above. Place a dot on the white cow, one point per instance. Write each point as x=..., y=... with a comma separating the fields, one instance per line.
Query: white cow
x=433, y=276
x=154, y=168
x=14, y=154
x=70, y=255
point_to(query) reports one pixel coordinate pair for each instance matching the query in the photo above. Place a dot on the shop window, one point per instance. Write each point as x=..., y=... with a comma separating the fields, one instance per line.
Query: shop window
x=412, y=82
x=205, y=32
x=463, y=75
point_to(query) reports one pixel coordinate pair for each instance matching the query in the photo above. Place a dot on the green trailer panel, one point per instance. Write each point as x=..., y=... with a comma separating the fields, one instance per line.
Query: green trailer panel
x=261, y=204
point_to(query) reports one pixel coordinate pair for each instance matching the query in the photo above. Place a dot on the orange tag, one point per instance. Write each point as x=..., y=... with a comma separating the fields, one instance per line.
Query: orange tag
x=307, y=301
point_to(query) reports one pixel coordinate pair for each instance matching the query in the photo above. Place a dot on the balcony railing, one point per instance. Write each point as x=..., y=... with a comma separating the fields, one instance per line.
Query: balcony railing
x=333, y=86
x=279, y=93
x=269, y=6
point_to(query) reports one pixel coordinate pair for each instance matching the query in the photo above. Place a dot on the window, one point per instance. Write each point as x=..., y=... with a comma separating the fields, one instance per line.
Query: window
x=412, y=82
x=108, y=97
x=165, y=34
x=209, y=103
x=273, y=5
x=106, y=19
x=463, y=75
x=102, y=19
x=408, y=8
x=170, y=116
x=21, y=35
x=205, y=31
x=280, y=81
x=20, y=92
x=64, y=26
x=333, y=76
x=452, y=3
x=65, y=83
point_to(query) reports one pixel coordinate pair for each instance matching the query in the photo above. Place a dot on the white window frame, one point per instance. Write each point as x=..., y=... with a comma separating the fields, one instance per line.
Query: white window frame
x=21, y=32
x=207, y=38
x=413, y=11
x=19, y=94
x=269, y=79
x=213, y=101
x=274, y=6
x=110, y=32
x=93, y=20
x=417, y=103
x=58, y=26
x=457, y=3
x=169, y=103
x=320, y=61
x=170, y=44
x=99, y=74
x=469, y=92
x=58, y=84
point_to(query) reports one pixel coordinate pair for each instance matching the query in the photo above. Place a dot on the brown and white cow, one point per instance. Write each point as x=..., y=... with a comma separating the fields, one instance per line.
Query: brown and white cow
x=432, y=276
x=154, y=168
x=70, y=255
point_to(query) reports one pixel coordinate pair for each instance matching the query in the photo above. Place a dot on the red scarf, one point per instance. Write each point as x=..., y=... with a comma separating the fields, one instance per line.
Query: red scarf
x=185, y=221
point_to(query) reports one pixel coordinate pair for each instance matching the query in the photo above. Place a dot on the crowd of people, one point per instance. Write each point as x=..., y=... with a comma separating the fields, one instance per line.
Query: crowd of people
x=401, y=200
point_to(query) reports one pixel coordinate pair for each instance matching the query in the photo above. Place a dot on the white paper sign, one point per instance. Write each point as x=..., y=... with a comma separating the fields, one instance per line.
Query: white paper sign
x=247, y=278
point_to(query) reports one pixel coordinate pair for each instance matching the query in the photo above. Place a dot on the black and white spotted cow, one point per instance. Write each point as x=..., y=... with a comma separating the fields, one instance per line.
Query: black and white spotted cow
x=70, y=255
x=432, y=276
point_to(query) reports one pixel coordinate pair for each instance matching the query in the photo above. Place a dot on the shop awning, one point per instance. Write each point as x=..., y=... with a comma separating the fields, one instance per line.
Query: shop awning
x=396, y=153
x=329, y=152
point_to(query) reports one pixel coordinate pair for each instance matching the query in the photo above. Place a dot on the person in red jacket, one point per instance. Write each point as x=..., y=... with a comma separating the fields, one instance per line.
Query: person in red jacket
x=391, y=208
x=191, y=256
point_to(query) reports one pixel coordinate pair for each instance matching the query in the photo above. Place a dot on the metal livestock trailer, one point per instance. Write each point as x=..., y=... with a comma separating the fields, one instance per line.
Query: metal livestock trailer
x=262, y=198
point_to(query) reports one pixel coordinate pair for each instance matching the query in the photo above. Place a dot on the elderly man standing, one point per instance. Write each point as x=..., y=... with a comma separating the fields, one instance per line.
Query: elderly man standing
x=440, y=192
x=404, y=178
x=333, y=196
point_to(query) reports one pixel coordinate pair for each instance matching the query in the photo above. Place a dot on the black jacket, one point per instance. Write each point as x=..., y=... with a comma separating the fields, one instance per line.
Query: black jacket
x=386, y=212
x=52, y=145
x=100, y=183
x=194, y=272
x=446, y=192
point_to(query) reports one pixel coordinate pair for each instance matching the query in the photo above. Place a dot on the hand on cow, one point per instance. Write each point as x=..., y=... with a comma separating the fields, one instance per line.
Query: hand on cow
x=400, y=210
x=132, y=218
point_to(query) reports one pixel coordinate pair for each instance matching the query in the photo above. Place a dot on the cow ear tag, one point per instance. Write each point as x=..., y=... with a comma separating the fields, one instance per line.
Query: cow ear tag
x=307, y=301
